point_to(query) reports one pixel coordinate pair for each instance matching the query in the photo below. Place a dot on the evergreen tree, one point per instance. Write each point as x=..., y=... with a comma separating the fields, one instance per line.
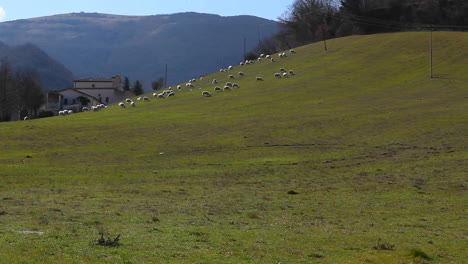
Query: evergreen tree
x=126, y=84
x=138, y=88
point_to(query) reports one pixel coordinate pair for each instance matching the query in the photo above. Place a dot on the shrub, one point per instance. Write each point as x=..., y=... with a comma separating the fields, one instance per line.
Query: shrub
x=418, y=253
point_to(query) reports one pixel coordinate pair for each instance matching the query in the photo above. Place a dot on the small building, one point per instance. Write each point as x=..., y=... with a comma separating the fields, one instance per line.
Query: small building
x=96, y=90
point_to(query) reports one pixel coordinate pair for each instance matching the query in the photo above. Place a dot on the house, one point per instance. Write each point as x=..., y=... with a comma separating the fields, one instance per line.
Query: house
x=87, y=92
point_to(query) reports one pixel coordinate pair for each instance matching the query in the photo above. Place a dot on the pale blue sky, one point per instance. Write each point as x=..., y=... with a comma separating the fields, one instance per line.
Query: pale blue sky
x=20, y=9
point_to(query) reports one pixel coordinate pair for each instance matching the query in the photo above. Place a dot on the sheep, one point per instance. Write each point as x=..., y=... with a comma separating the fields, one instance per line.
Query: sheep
x=94, y=108
x=85, y=109
x=241, y=63
x=128, y=100
x=285, y=75
x=268, y=56
x=139, y=99
x=155, y=94
x=292, y=51
x=133, y=104
x=291, y=72
x=160, y=95
x=218, y=89
x=282, y=70
x=170, y=88
x=193, y=80
x=235, y=85
x=145, y=98
x=170, y=94
x=229, y=84
x=201, y=78
x=277, y=75
x=122, y=105
x=272, y=60
x=231, y=77
x=241, y=73
x=259, y=79
x=214, y=81
x=70, y=111
x=230, y=67
x=179, y=87
x=259, y=59
x=26, y=118
x=227, y=88
x=206, y=94
x=262, y=55
x=61, y=113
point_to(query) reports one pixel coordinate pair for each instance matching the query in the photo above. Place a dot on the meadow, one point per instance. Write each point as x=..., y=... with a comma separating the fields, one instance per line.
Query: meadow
x=359, y=157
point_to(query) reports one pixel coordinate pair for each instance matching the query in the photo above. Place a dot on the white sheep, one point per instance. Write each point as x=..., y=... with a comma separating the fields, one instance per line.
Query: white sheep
x=206, y=94
x=128, y=100
x=85, y=109
x=122, y=105
x=241, y=73
x=170, y=94
x=262, y=55
x=292, y=51
x=139, y=99
x=272, y=60
x=145, y=98
x=61, y=113
x=282, y=70
x=26, y=118
x=235, y=85
x=179, y=87
x=94, y=108
x=285, y=75
x=229, y=84
x=214, y=81
x=259, y=79
x=160, y=95
x=230, y=67
x=70, y=111
x=268, y=56
x=291, y=72
x=231, y=76
x=277, y=75
x=259, y=59
x=227, y=88
x=133, y=104
x=242, y=63
x=218, y=89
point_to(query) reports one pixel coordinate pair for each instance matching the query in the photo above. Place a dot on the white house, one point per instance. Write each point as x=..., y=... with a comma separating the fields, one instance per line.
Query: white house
x=96, y=90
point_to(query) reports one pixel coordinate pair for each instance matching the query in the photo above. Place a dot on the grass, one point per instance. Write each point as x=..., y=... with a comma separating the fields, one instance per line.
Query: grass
x=372, y=147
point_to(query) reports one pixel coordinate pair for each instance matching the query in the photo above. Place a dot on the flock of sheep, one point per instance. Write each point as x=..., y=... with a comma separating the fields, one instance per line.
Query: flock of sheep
x=228, y=86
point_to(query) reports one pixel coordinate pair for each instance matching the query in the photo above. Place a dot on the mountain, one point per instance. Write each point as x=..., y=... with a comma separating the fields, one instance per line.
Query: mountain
x=28, y=57
x=102, y=45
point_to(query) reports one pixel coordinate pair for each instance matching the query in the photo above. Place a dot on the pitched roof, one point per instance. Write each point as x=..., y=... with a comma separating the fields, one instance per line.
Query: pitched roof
x=95, y=80
x=75, y=90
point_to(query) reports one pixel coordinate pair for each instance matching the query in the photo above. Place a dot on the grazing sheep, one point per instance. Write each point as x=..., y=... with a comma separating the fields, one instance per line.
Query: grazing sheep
x=262, y=55
x=145, y=98
x=259, y=79
x=285, y=75
x=26, y=118
x=155, y=94
x=277, y=75
x=241, y=73
x=85, y=109
x=160, y=95
x=218, y=89
x=259, y=59
x=61, y=113
x=201, y=78
x=227, y=88
x=230, y=68
x=282, y=70
x=133, y=104
x=231, y=77
x=214, y=81
x=122, y=105
x=291, y=72
x=268, y=56
x=179, y=87
x=272, y=60
x=235, y=85
x=229, y=84
x=206, y=94
x=139, y=99
x=170, y=94
x=128, y=100
x=241, y=64
x=292, y=51
x=70, y=111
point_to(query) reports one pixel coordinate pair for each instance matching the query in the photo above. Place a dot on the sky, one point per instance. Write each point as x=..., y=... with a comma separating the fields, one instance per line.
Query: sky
x=22, y=9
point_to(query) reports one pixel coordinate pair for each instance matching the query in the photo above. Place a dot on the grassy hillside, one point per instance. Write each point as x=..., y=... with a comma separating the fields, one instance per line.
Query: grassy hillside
x=359, y=149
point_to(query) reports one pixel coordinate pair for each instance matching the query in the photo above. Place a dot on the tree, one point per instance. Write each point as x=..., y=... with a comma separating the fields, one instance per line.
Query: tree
x=7, y=94
x=158, y=84
x=29, y=89
x=84, y=101
x=138, y=88
x=126, y=84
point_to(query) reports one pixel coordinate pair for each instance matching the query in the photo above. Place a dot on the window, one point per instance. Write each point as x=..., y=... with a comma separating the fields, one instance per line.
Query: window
x=65, y=101
x=93, y=85
x=74, y=101
x=107, y=100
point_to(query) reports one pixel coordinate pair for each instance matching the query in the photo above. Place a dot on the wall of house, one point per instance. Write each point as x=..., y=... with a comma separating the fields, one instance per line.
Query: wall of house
x=106, y=96
x=93, y=84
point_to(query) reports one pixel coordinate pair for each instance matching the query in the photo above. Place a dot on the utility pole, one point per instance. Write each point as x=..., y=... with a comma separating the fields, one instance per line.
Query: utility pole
x=430, y=51
x=165, y=78
x=323, y=36
x=245, y=47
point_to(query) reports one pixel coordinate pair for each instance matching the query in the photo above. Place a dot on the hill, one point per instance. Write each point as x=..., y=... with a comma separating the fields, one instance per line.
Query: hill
x=359, y=157
x=102, y=45
x=29, y=57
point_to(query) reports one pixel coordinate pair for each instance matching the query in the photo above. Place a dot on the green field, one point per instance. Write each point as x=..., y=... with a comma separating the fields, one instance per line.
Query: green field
x=360, y=150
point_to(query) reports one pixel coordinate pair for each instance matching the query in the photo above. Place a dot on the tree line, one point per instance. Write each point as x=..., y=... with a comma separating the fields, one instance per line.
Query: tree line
x=308, y=21
x=21, y=93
